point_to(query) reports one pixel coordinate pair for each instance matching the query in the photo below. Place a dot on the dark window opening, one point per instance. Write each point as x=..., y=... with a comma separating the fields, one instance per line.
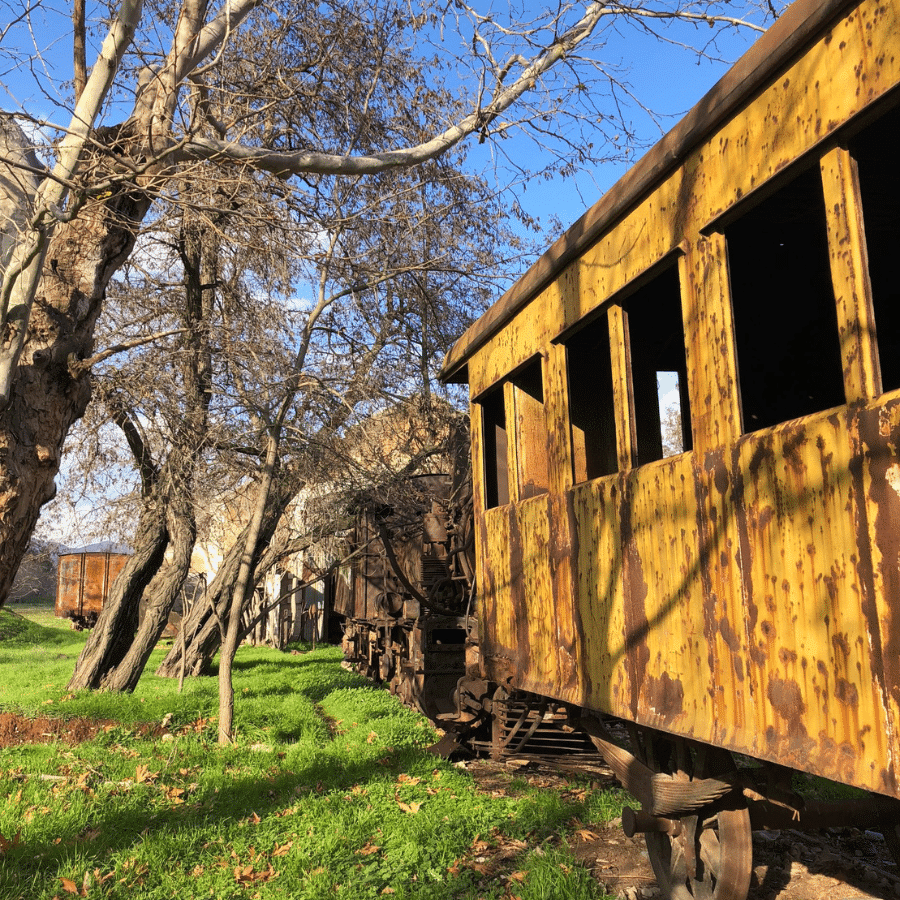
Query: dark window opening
x=531, y=432
x=658, y=368
x=453, y=637
x=875, y=151
x=496, y=472
x=592, y=412
x=785, y=318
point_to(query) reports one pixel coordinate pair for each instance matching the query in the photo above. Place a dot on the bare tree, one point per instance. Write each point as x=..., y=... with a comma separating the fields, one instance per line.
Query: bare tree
x=399, y=263
x=145, y=115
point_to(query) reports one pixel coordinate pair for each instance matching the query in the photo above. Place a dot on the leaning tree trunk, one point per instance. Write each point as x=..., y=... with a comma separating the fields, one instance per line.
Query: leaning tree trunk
x=50, y=390
x=159, y=598
x=112, y=636
x=169, y=488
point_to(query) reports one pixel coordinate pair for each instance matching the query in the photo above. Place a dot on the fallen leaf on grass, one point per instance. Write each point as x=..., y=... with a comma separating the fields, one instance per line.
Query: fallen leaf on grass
x=70, y=887
x=368, y=849
x=512, y=846
x=173, y=795
x=283, y=849
x=248, y=874
x=388, y=890
x=143, y=775
x=410, y=808
x=403, y=778
x=371, y=738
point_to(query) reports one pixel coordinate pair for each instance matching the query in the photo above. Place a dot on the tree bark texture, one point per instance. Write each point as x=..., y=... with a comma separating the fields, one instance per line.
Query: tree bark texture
x=112, y=636
x=50, y=391
x=158, y=599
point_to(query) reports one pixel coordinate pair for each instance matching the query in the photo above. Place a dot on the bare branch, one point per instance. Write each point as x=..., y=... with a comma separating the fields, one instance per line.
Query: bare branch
x=78, y=367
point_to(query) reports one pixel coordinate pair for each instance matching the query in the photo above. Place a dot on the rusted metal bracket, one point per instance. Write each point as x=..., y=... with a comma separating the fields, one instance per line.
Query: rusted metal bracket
x=659, y=794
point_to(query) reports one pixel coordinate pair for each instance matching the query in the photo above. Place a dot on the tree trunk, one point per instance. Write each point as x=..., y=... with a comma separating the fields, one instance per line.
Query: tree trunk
x=243, y=587
x=115, y=657
x=111, y=638
x=158, y=600
x=49, y=390
x=201, y=637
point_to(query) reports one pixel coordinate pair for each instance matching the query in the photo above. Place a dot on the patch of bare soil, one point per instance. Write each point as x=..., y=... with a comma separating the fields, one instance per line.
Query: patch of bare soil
x=837, y=864
x=15, y=730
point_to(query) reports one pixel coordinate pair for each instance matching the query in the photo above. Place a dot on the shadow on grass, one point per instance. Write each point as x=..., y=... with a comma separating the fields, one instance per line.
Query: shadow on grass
x=116, y=828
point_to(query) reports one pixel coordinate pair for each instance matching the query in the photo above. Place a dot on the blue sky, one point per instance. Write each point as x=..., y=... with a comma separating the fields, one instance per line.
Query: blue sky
x=667, y=78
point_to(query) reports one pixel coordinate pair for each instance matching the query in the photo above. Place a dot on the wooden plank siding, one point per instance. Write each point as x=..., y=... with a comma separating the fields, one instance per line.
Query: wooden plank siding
x=745, y=593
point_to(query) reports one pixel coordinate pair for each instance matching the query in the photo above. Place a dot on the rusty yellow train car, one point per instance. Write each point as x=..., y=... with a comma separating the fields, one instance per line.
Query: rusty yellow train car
x=686, y=453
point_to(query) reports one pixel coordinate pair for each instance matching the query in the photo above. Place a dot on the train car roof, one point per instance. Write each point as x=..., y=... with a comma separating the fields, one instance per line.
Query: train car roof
x=800, y=23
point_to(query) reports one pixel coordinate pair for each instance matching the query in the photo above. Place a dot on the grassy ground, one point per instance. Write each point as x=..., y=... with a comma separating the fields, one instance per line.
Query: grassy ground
x=329, y=792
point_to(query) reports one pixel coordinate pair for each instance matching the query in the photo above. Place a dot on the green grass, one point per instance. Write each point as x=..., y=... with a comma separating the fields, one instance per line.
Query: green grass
x=328, y=792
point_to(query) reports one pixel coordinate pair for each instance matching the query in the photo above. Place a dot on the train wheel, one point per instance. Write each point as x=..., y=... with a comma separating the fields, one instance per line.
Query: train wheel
x=711, y=856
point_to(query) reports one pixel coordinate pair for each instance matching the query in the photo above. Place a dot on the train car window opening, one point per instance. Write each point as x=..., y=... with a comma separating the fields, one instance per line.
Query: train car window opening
x=532, y=464
x=494, y=439
x=785, y=316
x=656, y=345
x=592, y=411
x=669, y=388
x=875, y=152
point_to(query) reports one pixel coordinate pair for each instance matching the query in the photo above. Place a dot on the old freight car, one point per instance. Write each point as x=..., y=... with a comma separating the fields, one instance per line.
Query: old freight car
x=406, y=604
x=404, y=596
x=737, y=589
x=83, y=583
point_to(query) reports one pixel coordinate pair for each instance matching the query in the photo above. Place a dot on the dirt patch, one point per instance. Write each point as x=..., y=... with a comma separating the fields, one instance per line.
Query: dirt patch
x=15, y=730
x=836, y=864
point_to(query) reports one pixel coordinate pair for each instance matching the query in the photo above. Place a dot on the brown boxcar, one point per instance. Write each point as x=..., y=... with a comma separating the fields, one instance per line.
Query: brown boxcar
x=83, y=582
x=719, y=567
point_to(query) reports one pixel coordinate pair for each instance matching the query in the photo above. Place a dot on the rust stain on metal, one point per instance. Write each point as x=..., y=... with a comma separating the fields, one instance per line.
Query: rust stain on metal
x=665, y=695
x=637, y=628
x=846, y=692
x=787, y=700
